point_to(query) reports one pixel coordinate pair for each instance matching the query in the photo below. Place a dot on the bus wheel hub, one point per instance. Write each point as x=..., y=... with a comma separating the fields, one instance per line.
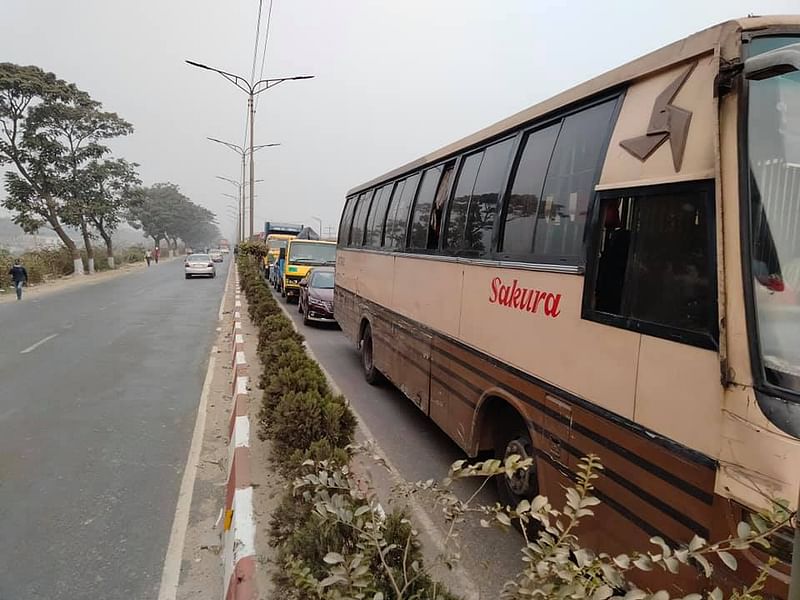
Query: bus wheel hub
x=519, y=482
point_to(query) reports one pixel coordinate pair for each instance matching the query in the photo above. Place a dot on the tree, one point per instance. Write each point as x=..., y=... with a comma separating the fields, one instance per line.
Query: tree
x=27, y=94
x=162, y=212
x=109, y=197
x=78, y=129
x=51, y=131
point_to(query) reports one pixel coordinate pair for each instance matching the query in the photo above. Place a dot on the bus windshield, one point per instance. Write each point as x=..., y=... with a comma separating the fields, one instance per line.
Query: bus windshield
x=309, y=253
x=774, y=155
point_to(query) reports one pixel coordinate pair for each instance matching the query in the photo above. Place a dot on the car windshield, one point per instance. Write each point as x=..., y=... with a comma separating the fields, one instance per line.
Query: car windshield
x=322, y=280
x=774, y=156
x=311, y=253
x=198, y=258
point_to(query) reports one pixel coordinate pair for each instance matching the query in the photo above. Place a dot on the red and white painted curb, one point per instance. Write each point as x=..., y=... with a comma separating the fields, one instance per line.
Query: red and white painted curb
x=238, y=550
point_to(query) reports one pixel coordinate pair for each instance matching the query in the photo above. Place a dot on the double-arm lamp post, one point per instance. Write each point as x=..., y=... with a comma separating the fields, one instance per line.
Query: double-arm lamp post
x=243, y=152
x=252, y=90
x=239, y=199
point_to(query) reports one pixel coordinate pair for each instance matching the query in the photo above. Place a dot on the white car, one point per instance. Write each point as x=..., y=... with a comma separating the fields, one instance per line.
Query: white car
x=199, y=265
x=216, y=255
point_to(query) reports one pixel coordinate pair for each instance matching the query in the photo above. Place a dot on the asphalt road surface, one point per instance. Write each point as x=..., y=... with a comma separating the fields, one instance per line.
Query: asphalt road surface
x=99, y=387
x=417, y=448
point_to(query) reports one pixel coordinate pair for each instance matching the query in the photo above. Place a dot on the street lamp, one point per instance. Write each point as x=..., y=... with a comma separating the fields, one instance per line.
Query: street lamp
x=243, y=152
x=240, y=200
x=252, y=90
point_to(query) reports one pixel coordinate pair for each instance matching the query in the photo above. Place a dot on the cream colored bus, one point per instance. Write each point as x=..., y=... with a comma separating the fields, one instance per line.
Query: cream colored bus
x=615, y=270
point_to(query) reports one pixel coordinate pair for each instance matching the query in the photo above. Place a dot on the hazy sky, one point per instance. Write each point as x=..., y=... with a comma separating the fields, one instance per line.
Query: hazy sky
x=394, y=80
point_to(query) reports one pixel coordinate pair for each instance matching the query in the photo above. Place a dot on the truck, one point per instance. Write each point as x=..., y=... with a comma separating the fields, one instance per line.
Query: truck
x=276, y=236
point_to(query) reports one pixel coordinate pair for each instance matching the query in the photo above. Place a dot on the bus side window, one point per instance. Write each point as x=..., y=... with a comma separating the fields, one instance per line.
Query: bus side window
x=654, y=263
x=472, y=212
x=377, y=215
x=347, y=221
x=437, y=211
x=526, y=192
x=360, y=219
x=389, y=234
x=397, y=220
x=421, y=213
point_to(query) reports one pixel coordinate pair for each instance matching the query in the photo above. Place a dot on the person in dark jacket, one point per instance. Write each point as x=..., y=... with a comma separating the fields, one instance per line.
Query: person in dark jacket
x=19, y=275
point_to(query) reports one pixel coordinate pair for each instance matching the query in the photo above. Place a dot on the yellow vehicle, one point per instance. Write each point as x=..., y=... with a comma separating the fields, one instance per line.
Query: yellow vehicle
x=301, y=257
x=275, y=242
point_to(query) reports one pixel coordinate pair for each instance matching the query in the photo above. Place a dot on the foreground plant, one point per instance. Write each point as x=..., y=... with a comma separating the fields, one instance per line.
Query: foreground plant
x=555, y=565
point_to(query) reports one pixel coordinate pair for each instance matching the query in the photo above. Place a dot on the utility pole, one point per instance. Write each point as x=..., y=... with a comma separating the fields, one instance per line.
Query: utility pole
x=252, y=90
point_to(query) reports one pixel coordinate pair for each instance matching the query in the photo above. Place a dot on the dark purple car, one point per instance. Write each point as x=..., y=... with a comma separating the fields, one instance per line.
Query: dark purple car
x=316, y=296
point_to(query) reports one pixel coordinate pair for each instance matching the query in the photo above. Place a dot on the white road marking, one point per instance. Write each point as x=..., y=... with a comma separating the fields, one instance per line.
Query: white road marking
x=170, y=576
x=225, y=292
x=39, y=343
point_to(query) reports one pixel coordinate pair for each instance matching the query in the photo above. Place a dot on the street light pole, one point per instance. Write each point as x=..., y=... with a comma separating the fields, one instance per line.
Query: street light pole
x=252, y=163
x=252, y=90
x=240, y=187
x=243, y=153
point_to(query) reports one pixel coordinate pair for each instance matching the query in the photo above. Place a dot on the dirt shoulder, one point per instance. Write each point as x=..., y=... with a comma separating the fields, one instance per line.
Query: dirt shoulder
x=70, y=281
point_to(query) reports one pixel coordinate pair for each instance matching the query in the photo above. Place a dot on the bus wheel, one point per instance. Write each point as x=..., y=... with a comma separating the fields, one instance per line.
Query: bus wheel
x=371, y=374
x=522, y=484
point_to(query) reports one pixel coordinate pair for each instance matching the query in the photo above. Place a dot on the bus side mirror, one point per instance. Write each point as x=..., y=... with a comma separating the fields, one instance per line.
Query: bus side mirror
x=773, y=63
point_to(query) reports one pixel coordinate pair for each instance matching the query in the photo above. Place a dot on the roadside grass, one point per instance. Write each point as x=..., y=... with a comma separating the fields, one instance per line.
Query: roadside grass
x=46, y=264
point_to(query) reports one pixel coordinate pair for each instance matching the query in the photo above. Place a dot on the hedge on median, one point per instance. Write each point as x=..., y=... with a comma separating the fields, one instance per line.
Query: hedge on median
x=309, y=425
x=299, y=410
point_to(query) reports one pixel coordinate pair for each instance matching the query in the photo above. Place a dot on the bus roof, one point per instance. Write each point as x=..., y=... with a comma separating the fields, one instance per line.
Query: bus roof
x=696, y=44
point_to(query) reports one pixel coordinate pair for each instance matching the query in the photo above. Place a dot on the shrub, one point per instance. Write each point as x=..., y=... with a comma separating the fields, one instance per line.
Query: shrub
x=302, y=418
x=335, y=541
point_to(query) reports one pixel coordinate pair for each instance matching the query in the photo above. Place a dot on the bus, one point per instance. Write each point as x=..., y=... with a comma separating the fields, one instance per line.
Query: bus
x=301, y=255
x=615, y=270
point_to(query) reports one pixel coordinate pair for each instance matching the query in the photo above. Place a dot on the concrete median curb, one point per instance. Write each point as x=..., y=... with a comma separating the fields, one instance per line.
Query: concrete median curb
x=238, y=553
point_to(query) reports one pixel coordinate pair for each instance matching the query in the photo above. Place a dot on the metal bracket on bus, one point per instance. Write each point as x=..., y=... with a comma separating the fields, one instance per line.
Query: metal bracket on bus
x=725, y=81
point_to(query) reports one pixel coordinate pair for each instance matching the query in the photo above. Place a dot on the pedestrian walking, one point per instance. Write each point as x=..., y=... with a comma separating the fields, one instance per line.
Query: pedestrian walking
x=19, y=275
x=157, y=253
x=148, y=256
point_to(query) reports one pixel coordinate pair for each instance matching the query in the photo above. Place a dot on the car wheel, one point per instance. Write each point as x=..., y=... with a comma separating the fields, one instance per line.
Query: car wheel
x=188, y=276
x=513, y=438
x=213, y=275
x=371, y=374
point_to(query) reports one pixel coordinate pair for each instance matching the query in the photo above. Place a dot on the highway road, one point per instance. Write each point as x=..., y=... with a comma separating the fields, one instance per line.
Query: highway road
x=417, y=448
x=99, y=387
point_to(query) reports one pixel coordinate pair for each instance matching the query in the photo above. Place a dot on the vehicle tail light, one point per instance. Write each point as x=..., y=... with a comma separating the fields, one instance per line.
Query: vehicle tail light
x=211, y=264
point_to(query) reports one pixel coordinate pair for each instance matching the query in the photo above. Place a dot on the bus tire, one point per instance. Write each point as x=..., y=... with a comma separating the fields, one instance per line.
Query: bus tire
x=513, y=438
x=371, y=374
